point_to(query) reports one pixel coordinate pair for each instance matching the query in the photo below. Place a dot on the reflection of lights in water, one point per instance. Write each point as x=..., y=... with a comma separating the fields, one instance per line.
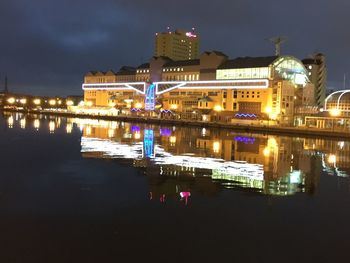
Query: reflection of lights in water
x=332, y=170
x=11, y=100
x=137, y=135
x=114, y=125
x=52, y=126
x=266, y=151
x=69, y=128
x=88, y=130
x=272, y=142
x=341, y=145
x=110, y=133
x=58, y=123
x=165, y=132
x=271, y=146
x=22, y=123
x=216, y=147
x=10, y=122
x=37, y=124
x=172, y=140
x=117, y=150
x=332, y=159
x=111, y=148
x=185, y=195
x=295, y=177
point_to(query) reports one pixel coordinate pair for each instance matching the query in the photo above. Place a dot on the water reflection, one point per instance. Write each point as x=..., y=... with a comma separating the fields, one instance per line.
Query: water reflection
x=182, y=162
x=178, y=160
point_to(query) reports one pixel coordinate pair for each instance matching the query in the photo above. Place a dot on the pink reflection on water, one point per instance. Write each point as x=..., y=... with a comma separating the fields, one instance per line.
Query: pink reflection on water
x=185, y=195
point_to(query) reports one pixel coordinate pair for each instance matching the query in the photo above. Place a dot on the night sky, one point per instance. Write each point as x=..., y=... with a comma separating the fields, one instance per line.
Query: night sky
x=47, y=46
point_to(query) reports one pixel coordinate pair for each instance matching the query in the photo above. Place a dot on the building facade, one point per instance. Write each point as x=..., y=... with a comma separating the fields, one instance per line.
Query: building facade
x=210, y=88
x=317, y=73
x=177, y=45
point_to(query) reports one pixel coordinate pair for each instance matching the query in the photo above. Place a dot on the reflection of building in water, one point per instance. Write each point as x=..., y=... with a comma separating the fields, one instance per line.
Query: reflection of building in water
x=148, y=143
x=266, y=164
x=335, y=155
x=204, y=161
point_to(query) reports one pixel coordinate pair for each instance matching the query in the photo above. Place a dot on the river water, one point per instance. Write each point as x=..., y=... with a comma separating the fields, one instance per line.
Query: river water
x=79, y=190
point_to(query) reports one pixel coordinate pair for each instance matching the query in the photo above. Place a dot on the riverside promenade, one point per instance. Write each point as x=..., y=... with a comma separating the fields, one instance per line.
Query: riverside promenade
x=264, y=129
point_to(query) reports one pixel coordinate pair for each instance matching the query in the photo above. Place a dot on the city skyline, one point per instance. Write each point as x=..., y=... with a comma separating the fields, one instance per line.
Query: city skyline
x=49, y=47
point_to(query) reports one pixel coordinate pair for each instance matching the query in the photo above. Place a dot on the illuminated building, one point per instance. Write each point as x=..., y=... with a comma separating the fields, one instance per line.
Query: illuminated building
x=212, y=87
x=177, y=45
x=99, y=92
x=317, y=73
x=335, y=115
x=338, y=103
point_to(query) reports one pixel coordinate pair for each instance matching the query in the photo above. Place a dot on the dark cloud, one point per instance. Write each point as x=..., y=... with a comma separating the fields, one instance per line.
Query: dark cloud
x=47, y=46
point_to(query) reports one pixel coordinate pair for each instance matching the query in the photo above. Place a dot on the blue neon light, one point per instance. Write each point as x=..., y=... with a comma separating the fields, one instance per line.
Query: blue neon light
x=246, y=140
x=150, y=99
x=148, y=143
x=135, y=128
x=245, y=115
x=166, y=111
x=165, y=132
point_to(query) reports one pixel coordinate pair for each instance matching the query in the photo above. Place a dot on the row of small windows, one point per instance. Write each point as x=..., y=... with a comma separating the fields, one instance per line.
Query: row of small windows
x=188, y=93
x=182, y=77
x=142, y=71
x=253, y=96
x=173, y=69
x=174, y=101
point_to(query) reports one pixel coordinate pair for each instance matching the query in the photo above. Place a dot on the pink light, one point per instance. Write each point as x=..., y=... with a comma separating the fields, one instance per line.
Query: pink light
x=185, y=195
x=162, y=198
x=189, y=34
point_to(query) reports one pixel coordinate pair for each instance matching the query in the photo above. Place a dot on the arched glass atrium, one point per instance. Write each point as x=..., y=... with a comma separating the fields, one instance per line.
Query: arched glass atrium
x=338, y=103
x=290, y=68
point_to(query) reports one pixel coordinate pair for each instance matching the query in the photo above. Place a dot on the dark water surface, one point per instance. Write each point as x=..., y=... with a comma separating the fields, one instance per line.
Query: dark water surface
x=95, y=191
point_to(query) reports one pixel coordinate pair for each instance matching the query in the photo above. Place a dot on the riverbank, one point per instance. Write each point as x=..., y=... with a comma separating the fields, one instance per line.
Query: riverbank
x=276, y=130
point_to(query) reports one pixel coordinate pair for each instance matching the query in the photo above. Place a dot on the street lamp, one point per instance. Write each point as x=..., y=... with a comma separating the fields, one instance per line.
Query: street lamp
x=11, y=100
x=52, y=102
x=334, y=112
x=217, y=108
